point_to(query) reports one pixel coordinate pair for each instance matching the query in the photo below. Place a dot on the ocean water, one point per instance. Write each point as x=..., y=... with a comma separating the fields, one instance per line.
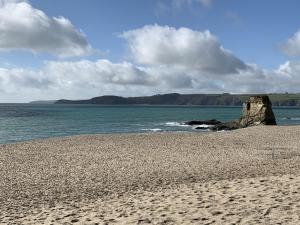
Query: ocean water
x=20, y=122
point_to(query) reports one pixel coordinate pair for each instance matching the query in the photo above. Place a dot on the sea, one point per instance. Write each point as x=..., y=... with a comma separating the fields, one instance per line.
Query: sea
x=22, y=122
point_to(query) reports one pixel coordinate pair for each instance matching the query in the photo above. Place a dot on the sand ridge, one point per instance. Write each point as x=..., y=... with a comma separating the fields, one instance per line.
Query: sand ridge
x=77, y=178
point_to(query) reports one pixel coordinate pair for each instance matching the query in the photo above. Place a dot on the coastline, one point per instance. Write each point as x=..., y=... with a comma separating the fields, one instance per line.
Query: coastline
x=76, y=178
x=46, y=121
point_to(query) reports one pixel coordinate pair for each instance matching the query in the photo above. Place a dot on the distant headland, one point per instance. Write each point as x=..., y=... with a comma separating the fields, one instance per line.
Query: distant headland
x=224, y=99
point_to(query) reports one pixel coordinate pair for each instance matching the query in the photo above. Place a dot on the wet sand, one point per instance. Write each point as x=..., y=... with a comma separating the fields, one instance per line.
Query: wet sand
x=248, y=176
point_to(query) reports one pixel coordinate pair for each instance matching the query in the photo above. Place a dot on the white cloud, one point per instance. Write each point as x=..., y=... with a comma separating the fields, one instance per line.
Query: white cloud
x=85, y=79
x=23, y=27
x=156, y=45
x=79, y=79
x=166, y=60
x=287, y=78
x=292, y=46
x=94, y=73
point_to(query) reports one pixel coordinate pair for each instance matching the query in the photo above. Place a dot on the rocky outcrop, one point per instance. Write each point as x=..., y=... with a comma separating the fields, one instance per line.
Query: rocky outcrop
x=256, y=111
x=231, y=125
x=202, y=122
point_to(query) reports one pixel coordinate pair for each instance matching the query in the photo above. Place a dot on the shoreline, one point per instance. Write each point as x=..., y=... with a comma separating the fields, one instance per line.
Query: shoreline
x=75, y=172
x=146, y=132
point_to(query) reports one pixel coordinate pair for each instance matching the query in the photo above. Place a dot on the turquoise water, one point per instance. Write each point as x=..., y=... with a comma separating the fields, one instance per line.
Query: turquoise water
x=19, y=122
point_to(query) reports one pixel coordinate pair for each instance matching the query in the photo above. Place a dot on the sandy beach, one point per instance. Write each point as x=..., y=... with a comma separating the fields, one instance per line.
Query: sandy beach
x=247, y=176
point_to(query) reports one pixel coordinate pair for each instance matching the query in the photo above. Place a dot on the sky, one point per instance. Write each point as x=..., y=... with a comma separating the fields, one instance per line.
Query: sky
x=54, y=49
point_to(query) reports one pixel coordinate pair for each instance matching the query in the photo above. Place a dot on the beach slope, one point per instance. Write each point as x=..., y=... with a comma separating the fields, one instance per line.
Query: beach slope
x=247, y=176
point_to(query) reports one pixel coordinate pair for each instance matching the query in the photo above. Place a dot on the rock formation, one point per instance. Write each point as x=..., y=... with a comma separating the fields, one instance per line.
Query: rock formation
x=204, y=122
x=256, y=111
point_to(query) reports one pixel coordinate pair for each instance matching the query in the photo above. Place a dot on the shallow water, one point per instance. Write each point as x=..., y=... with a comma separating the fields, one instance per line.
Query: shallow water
x=19, y=122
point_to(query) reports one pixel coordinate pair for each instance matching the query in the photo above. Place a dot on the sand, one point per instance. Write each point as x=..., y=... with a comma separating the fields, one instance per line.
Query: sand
x=247, y=176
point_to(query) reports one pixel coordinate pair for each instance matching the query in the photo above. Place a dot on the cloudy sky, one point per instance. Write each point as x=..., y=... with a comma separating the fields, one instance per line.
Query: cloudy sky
x=55, y=49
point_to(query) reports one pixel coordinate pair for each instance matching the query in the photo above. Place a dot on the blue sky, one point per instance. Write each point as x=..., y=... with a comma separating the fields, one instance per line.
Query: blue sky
x=106, y=41
x=252, y=29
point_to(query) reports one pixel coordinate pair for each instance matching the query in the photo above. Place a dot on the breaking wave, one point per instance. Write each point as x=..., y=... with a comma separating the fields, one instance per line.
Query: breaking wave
x=176, y=124
x=153, y=129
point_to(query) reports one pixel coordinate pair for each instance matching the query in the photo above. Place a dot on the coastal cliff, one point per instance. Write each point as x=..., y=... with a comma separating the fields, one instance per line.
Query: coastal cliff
x=225, y=99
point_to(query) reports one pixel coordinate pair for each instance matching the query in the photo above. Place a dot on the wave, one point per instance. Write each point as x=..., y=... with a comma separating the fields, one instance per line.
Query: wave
x=153, y=129
x=203, y=126
x=176, y=124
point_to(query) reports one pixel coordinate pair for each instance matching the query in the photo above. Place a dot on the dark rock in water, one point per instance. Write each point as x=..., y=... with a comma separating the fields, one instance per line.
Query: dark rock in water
x=232, y=125
x=204, y=122
x=201, y=128
x=256, y=111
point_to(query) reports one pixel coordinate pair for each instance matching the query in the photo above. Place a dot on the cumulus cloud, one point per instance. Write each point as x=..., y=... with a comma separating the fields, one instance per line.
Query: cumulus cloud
x=292, y=46
x=156, y=45
x=78, y=79
x=165, y=60
x=287, y=77
x=94, y=74
x=85, y=79
x=23, y=27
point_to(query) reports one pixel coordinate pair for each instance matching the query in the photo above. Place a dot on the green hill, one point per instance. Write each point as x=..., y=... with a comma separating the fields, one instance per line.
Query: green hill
x=187, y=99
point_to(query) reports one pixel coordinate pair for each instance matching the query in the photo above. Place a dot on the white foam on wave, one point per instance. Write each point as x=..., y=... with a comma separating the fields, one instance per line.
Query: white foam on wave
x=153, y=129
x=176, y=124
x=203, y=126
